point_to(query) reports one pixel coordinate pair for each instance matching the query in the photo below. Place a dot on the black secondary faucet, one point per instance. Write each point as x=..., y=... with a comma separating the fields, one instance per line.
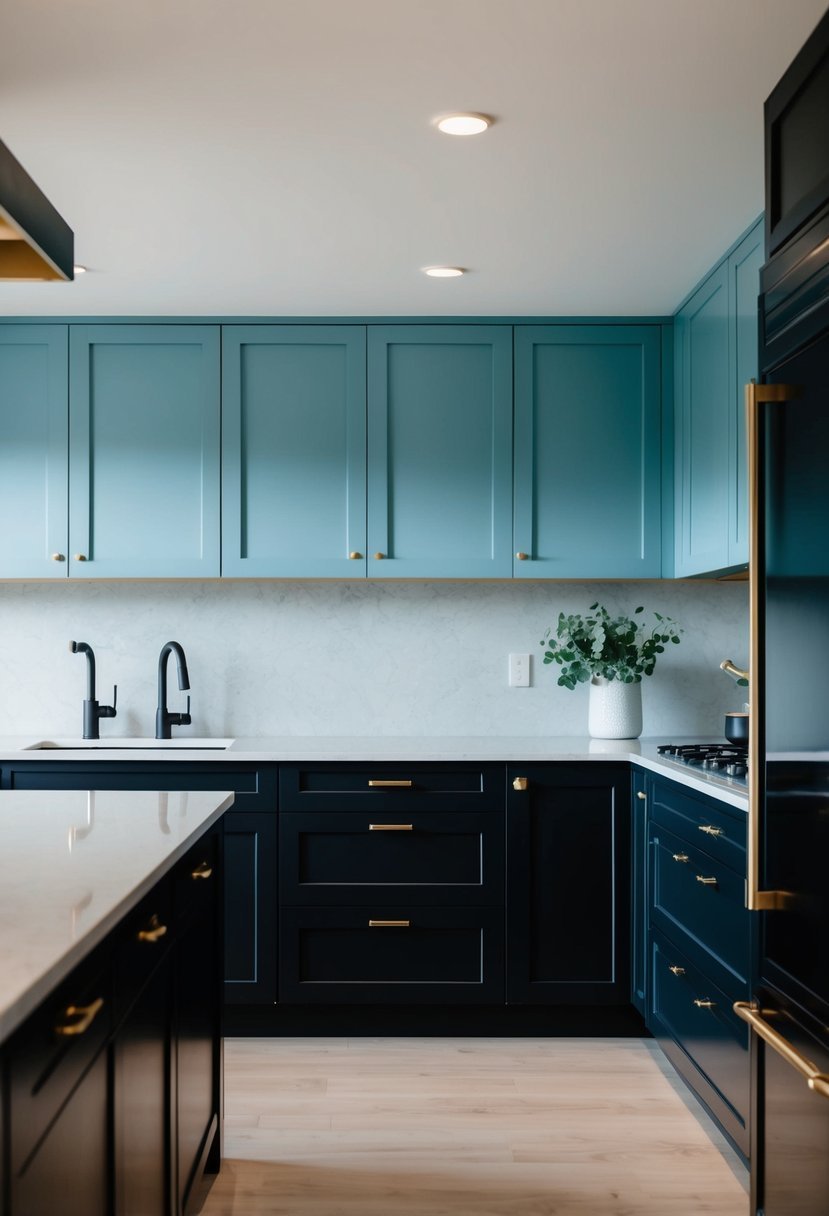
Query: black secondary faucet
x=163, y=718
x=92, y=711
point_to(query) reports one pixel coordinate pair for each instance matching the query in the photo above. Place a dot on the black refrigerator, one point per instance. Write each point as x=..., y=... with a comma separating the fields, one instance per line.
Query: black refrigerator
x=788, y=444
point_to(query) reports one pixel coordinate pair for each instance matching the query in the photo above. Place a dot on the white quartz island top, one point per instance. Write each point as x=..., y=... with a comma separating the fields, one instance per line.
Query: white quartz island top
x=389, y=748
x=72, y=864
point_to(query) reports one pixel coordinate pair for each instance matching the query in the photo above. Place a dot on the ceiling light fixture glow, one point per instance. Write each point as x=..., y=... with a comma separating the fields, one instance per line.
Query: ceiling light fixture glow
x=443, y=272
x=464, y=124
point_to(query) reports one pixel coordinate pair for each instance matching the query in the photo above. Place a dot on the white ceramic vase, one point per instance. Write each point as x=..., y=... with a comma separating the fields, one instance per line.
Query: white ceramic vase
x=615, y=710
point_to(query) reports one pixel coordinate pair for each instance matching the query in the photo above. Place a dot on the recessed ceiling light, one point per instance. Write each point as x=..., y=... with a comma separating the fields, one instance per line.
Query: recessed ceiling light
x=464, y=124
x=79, y=269
x=443, y=272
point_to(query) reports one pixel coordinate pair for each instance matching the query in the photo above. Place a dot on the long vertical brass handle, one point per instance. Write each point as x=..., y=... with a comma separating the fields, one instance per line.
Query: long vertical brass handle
x=815, y=1079
x=757, y=395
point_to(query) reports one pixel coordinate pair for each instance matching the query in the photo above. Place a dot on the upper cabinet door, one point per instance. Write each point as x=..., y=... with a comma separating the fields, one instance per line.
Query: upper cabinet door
x=294, y=451
x=587, y=451
x=34, y=427
x=144, y=451
x=703, y=428
x=744, y=267
x=439, y=451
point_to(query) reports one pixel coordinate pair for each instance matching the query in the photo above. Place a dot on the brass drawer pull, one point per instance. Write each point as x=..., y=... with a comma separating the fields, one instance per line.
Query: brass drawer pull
x=817, y=1081
x=520, y=783
x=710, y=830
x=154, y=932
x=679, y=856
x=704, y=1003
x=389, y=924
x=382, y=785
x=86, y=1015
x=706, y=882
x=676, y=970
x=390, y=827
x=202, y=871
x=642, y=795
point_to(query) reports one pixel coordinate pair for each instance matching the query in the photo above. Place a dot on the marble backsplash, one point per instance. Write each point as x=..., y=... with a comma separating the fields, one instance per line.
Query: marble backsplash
x=345, y=658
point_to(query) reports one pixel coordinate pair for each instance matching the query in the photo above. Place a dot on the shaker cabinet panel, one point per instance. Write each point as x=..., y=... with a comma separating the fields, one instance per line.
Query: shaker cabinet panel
x=34, y=435
x=587, y=451
x=144, y=451
x=294, y=451
x=744, y=280
x=439, y=451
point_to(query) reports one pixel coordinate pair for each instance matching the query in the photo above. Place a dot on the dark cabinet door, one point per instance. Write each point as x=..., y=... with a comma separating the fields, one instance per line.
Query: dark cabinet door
x=250, y=903
x=568, y=888
x=639, y=892
x=198, y=1057
x=69, y=1172
x=141, y=1102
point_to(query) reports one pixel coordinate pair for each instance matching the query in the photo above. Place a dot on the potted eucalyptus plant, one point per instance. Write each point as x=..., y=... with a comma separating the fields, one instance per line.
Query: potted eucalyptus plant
x=613, y=653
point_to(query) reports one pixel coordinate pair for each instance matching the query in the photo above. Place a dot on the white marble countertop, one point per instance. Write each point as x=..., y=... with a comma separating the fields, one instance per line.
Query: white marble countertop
x=378, y=748
x=72, y=864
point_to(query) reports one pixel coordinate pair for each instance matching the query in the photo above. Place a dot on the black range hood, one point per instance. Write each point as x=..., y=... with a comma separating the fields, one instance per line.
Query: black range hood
x=35, y=242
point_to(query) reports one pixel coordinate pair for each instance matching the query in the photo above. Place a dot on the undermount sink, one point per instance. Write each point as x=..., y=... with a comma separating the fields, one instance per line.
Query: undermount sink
x=118, y=745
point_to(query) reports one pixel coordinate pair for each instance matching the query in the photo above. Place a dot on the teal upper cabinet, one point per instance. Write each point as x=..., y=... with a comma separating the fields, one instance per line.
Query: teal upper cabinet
x=439, y=451
x=587, y=451
x=34, y=428
x=144, y=451
x=715, y=355
x=294, y=451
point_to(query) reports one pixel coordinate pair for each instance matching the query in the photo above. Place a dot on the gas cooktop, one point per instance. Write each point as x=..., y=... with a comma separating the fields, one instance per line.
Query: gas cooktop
x=716, y=759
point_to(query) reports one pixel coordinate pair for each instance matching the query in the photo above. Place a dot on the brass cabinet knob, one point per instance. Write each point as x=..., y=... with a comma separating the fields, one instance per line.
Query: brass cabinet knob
x=378, y=557
x=354, y=556
x=80, y=557
x=520, y=783
x=679, y=856
x=153, y=932
x=677, y=970
x=85, y=1014
x=523, y=557
x=704, y=1003
x=58, y=557
x=202, y=871
x=642, y=795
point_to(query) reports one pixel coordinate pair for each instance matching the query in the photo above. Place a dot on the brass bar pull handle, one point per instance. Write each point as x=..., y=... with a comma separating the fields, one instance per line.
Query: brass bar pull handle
x=86, y=1015
x=677, y=970
x=704, y=1003
x=707, y=882
x=817, y=1081
x=757, y=395
x=202, y=871
x=642, y=795
x=155, y=931
x=710, y=830
x=679, y=856
x=389, y=924
x=390, y=827
x=387, y=785
x=520, y=784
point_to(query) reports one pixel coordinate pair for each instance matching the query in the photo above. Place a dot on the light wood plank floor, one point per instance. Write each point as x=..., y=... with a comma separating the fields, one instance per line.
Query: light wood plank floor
x=464, y=1127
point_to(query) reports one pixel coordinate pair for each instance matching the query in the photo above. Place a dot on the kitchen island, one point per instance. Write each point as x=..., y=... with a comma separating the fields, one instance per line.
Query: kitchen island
x=110, y=964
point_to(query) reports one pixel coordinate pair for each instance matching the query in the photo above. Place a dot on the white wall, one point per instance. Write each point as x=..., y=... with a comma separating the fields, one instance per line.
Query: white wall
x=271, y=658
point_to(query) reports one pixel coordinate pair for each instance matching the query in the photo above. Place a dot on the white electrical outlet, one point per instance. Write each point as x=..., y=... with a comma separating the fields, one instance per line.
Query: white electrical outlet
x=519, y=671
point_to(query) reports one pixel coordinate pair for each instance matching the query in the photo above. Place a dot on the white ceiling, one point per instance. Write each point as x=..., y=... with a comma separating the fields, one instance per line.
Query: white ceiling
x=277, y=156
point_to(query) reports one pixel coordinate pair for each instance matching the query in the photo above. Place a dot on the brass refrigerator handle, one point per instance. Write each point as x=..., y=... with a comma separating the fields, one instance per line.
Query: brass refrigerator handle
x=817, y=1081
x=377, y=785
x=757, y=395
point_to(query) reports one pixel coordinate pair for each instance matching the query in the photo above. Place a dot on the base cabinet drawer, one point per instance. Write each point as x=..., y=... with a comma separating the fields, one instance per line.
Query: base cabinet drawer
x=701, y=1035
x=391, y=787
x=701, y=903
x=421, y=857
x=391, y=955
